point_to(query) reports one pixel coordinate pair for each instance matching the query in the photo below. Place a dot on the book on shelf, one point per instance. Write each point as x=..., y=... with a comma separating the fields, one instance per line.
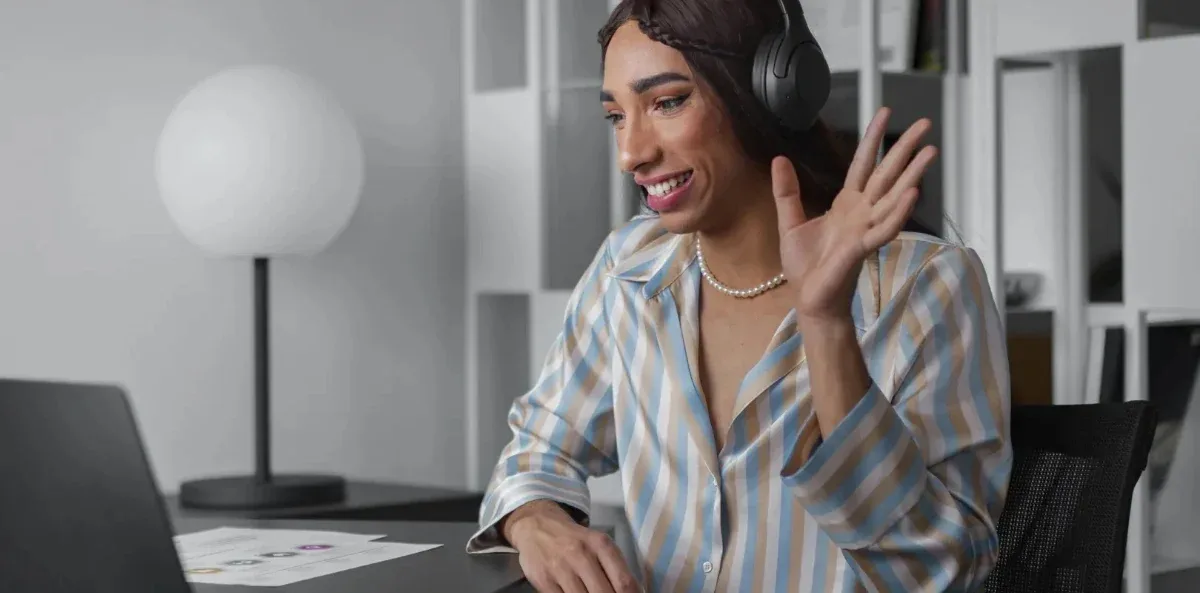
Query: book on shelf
x=930, y=41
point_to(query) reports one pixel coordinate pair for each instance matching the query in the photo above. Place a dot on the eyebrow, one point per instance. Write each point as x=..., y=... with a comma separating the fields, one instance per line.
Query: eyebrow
x=642, y=85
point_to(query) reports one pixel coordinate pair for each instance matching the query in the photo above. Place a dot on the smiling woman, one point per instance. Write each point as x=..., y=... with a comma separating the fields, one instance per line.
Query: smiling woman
x=697, y=82
x=798, y=395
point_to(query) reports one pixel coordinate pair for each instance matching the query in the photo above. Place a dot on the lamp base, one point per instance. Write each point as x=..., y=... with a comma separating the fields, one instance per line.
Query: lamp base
x=249, y=492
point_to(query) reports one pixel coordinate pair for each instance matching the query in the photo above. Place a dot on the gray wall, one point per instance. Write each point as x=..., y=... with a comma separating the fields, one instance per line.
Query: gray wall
x=96, y=284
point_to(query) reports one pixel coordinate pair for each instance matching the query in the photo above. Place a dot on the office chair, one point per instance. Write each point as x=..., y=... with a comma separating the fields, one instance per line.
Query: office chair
x=1066, y=518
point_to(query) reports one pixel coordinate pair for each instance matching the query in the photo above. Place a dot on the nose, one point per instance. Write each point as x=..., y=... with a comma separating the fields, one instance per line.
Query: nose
x=637, y=145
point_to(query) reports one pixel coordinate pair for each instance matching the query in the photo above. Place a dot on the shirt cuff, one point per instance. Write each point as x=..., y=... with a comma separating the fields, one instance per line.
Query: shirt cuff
x=864, y=477
x=515, y=491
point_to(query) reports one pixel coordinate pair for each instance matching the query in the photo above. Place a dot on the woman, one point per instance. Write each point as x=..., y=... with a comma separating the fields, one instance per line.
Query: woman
x=799, y=395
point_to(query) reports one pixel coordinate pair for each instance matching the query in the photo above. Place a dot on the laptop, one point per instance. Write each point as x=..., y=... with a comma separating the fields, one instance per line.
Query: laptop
x=80, y=510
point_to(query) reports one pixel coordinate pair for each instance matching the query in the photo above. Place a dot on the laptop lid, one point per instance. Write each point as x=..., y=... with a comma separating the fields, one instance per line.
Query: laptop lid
x=79, y=506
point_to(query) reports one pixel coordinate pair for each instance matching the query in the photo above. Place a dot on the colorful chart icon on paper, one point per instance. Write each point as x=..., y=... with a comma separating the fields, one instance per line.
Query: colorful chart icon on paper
x=315, y=547
x=243, y=562
x=203, y=570
x=278, y=554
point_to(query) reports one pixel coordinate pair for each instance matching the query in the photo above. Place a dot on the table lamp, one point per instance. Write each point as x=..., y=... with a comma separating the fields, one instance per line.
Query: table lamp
x=258, y=162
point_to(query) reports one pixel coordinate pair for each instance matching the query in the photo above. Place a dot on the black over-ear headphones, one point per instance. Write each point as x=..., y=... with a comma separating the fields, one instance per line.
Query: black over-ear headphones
x=791, y=76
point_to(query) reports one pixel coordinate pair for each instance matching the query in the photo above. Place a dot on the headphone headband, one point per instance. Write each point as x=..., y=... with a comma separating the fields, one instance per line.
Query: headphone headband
x=791, y=11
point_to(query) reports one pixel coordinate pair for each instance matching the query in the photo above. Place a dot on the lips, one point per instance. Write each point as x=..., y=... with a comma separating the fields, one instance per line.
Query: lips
x=666, y=194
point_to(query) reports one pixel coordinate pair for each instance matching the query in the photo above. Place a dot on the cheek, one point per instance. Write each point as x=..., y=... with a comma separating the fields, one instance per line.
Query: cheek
x=697, y=136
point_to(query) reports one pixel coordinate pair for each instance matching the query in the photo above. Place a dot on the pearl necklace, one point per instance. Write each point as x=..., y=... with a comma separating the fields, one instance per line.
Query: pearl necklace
x=734, y=292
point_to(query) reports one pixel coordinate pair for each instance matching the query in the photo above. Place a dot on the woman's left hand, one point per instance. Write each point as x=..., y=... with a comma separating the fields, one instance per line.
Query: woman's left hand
x=822, y=256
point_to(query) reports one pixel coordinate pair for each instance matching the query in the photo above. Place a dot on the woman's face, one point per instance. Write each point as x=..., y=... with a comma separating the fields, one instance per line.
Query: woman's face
x=673, y=135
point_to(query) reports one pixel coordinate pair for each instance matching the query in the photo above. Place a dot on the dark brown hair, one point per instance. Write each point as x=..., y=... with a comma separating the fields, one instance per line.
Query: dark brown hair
x=718, y=39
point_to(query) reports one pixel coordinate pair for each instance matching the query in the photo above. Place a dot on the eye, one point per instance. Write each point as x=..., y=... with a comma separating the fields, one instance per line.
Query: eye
x=614, y=118
x=671, y=103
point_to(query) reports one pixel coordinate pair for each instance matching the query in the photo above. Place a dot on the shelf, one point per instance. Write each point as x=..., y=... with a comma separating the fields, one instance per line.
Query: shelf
x=571, y=27
x=1170, y=18
x=1161, y=131
x=502, y=353
x=1029, y=321
x=545, y=322
x=927, y=74
x=1025, y=27
x=1103, y=170
x=500, y=57
x=592, y=84
x=1115, y=315
x=836, y=24
x=576, y=186
x=1030, y=169
x=503, y=191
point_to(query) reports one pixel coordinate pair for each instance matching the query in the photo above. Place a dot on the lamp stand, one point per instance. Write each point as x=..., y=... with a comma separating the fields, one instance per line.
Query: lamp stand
x=264, y=489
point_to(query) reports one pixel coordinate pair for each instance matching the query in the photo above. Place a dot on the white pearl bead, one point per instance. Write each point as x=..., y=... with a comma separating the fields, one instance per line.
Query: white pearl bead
x=737, y=293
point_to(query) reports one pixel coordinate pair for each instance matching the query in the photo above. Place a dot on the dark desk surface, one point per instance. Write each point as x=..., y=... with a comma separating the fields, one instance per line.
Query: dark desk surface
x=444, y=569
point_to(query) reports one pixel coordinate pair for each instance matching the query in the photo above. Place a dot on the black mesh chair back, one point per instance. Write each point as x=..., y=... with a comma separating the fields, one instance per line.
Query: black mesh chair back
x=1066, y=517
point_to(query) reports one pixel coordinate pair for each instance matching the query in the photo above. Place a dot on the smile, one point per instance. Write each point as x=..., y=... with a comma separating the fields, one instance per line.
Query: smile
x=668, y=193
x=665, y=187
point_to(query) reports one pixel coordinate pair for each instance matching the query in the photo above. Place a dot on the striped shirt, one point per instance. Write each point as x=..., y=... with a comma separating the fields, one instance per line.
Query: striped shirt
x=903, y=495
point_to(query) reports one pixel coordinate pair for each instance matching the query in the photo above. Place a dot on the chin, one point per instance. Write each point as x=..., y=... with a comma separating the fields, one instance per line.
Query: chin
x=680, y=222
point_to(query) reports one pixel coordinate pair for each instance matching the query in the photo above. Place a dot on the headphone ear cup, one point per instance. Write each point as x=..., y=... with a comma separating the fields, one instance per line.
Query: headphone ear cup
x=808, y=85
x=763, y=75
x=797, y=97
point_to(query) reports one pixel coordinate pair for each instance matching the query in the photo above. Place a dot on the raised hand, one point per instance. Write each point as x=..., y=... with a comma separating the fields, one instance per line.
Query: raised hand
x=822, y=256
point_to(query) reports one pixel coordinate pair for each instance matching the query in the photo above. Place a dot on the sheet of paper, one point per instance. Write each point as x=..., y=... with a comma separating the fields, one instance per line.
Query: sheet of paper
x=274, y=557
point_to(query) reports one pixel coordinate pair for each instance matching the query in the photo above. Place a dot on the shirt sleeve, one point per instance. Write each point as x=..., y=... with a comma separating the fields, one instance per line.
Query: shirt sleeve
x=563, y=427
x=911, y=486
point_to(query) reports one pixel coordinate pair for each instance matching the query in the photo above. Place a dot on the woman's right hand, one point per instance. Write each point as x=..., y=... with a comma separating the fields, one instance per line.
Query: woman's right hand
x=559, y=555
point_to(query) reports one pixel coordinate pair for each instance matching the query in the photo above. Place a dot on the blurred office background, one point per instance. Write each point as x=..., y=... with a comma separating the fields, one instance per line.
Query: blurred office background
x=1068, y=136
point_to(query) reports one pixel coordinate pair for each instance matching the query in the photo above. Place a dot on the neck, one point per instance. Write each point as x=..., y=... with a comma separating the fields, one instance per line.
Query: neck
x=745, y=252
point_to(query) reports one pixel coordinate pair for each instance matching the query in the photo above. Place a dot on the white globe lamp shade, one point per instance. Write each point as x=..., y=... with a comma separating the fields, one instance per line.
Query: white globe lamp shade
x=259, y=161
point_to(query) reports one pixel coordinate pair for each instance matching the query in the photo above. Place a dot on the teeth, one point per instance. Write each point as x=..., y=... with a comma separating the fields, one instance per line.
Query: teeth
x=658, y=189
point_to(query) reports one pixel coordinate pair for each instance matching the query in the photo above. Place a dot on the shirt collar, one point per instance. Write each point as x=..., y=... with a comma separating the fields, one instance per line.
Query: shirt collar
x=658, y=264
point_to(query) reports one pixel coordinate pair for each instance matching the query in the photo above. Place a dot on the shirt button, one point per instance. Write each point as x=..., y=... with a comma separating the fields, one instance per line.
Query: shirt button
x=707, y=566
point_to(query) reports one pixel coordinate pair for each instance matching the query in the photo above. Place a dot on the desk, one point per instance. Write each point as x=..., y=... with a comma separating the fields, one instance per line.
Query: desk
x=445, y=569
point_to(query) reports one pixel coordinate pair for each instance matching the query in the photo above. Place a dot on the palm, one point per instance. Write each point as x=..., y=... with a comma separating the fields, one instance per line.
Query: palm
x=822, y=256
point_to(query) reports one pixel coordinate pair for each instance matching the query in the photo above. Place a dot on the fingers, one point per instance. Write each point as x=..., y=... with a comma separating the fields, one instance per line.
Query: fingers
x=614, y=566
x=868, y=150
x=882, y=180
x=911, y=177
x=889, y=225
x=543, y=582
x=564, y=574
x=786, y=187
x=581, y=561
x=890, y=213
x=570, y=583
x=589, y=572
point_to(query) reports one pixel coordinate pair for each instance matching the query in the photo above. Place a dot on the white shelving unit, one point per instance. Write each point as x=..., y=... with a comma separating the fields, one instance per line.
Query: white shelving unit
x=1016, y=123
x=1141, y=140
x=541, y=196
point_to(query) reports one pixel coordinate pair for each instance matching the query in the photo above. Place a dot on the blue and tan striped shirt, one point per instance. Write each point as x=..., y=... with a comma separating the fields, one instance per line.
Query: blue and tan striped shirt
x=903, y=495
